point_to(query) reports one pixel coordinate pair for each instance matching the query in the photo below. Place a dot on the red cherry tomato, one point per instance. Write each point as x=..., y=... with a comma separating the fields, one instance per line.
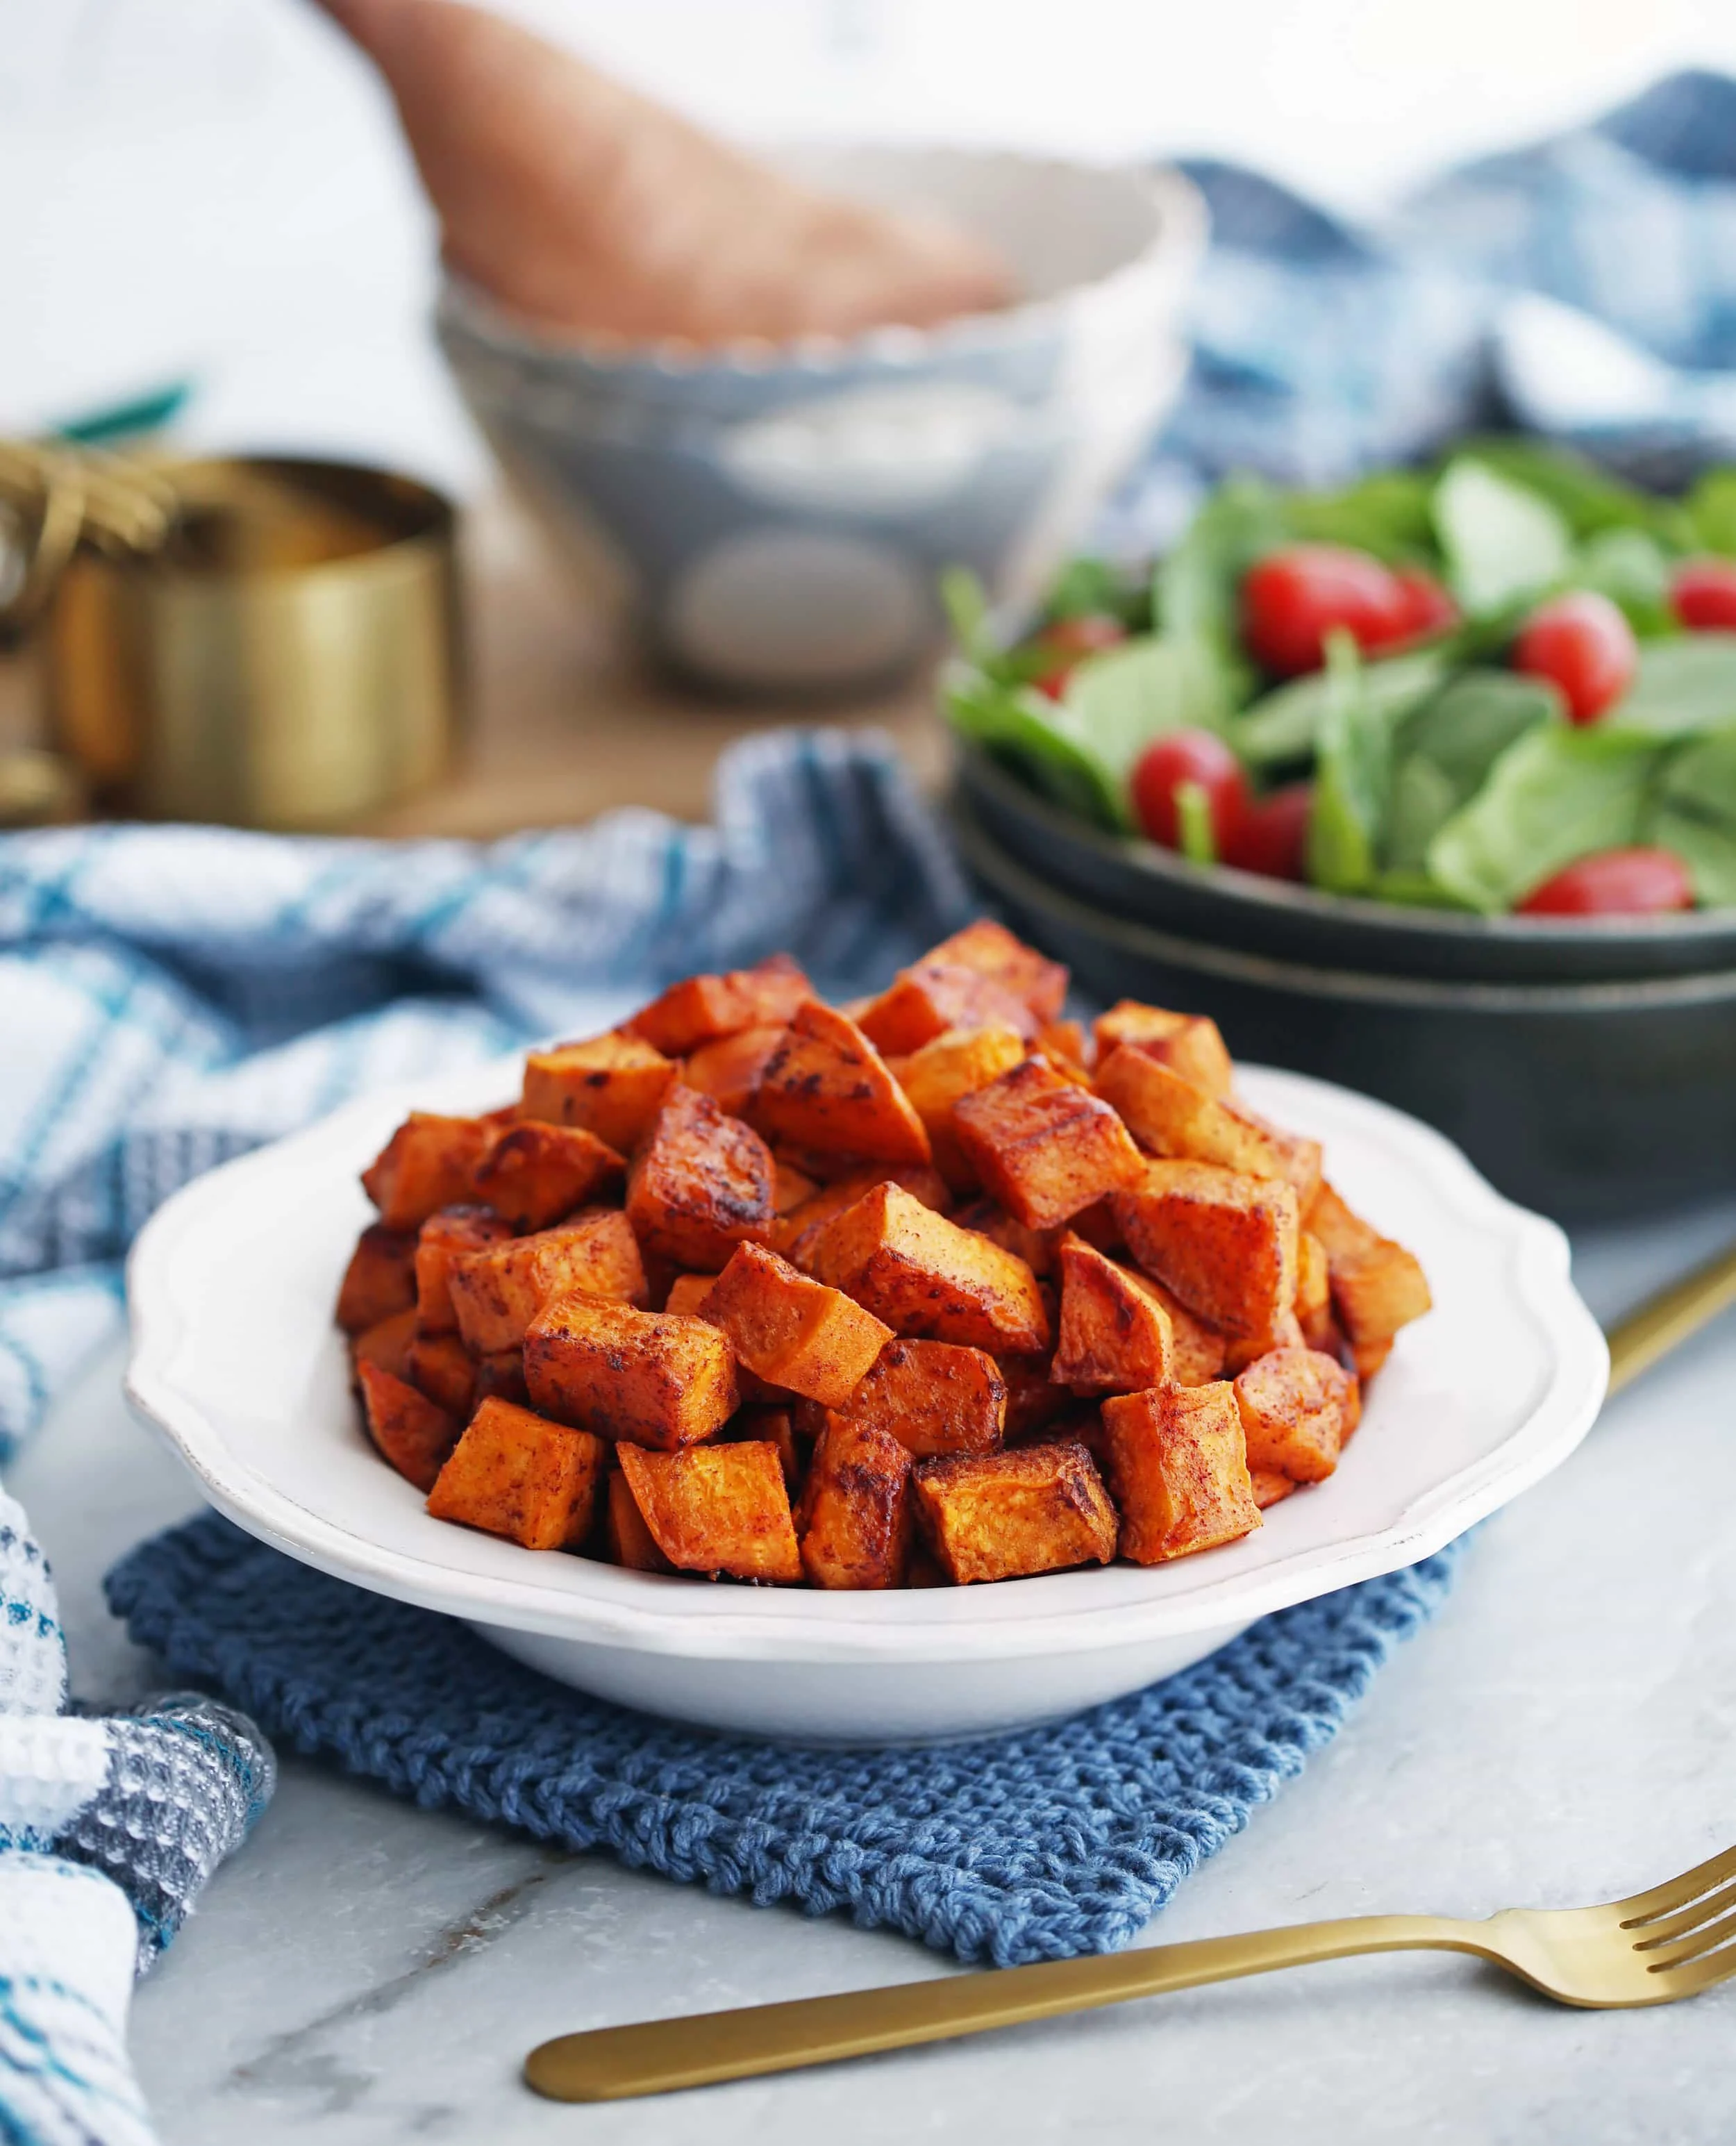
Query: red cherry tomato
x=1271, y=837
x=1292, y=599
x=1189, y=756
x=1069, y=640
x=1582, y=644
x=1703, y=594
x=1425, y=607
x=1614, y=883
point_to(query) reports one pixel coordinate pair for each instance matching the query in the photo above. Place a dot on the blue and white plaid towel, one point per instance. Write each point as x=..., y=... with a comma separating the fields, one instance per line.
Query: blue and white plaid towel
x=169, y=997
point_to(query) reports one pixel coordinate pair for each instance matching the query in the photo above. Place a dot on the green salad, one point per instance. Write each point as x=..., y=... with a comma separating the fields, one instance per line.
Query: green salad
x=1504, y=684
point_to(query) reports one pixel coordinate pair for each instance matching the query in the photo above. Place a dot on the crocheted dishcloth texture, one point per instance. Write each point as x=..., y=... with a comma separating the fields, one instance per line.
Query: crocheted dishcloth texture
x=1035, y=1846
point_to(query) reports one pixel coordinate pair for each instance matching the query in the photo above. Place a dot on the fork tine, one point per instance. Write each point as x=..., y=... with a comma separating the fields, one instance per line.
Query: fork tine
x=1660, y=1930
x=1705, y=1973
x=1705, y=1939
x=1677, y=1892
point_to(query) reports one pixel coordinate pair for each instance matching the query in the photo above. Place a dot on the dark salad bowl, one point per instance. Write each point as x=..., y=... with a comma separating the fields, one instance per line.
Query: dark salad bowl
x=1558, y=718
x=1590, y=1099
x=1140, y=882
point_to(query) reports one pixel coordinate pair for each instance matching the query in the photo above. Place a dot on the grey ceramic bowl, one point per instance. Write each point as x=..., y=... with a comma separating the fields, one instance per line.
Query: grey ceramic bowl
x=781, y=514
x=1590, y=1100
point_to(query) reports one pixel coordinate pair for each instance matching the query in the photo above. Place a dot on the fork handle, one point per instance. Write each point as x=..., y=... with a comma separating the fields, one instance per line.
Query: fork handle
x=655, y=2056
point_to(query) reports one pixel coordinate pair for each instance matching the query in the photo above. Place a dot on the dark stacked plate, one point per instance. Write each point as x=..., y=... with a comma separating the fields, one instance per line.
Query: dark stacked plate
x=1588, y=1068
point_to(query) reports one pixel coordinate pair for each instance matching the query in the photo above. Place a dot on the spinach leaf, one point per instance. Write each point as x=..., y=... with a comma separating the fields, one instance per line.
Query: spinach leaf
x=1195, y=593
x=967, y=613
x=1681, y=689
x=1446, y=749
x=1284, y=725
x=1695, y=815
x=1711, y=508
x=1116, y=703
x=1585, y=496
x=1024, y=731
x=1352, y=777
x=1501, y=540
x=1088, y=588
x=1633, y=569
x=1387, y=513
x=1558, y=793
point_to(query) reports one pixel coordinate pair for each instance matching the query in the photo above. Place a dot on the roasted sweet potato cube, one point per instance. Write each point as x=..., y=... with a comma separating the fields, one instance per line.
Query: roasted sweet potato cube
x=501, y=1376
x=790, y=1188
x=699, y=1009
x=1042, y=1146
x=1199, y=1352
x=928, y=1279
x=628, y=1537
x=926, y=1001
x=730, y=1069
x=1292, y=1406
x=650, y=1378
x=687, y=1293
x=515, y=1473
x=1369, y=1357
x=701, y=1184
x=933, y=1397
x=1064, y=1040
x=1314, y=1293
x=1034, y=1403
x=380, y=1279
x=855, y=1509
x=612, y=1085
x=497, y=1291
x=999, y=1515
x=828, y=1089
x=953, y=1064
x=445, y=1236
x=994, y=951
x=385, y=1345
x=441, y=1367
x=1242, y=1350
x=718, y=1508
x=1113, y=1336
x=1039, y=1249
x=1268, y=1487
x=1377, y=1286
x=1224, y=1242
x=800, y=1229
x=409, y=1429
x=774, y=1426
x=536, y=1173
x=1188, y=1044
x=1171, y=1116
x=1377, y=1295
x=429, y=1162
x=791, y=1331
x=1178, y=1464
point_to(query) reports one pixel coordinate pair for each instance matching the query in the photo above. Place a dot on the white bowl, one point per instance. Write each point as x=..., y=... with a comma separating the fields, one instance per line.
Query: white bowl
x=236, y=1359
x=779, y=513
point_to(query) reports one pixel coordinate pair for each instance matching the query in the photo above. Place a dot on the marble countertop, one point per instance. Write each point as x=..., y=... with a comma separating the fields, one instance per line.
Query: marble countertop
x=1564, y=1731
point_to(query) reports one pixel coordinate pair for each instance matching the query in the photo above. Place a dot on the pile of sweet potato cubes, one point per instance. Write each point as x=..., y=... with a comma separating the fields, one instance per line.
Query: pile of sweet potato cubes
x=945, y=1288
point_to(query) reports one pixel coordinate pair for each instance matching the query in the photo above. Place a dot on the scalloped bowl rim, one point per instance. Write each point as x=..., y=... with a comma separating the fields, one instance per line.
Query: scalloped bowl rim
x=491, y=1583
x=1176, y=245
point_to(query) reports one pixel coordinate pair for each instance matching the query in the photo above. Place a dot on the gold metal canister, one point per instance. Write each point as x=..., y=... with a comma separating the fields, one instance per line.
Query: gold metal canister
x=291, y=658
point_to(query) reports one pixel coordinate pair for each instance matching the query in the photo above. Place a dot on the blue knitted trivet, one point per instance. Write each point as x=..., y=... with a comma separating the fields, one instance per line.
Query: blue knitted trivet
x=1032, y=1846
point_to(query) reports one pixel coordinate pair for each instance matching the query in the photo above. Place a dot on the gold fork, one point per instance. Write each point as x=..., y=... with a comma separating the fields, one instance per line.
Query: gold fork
x=1672, y=1942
